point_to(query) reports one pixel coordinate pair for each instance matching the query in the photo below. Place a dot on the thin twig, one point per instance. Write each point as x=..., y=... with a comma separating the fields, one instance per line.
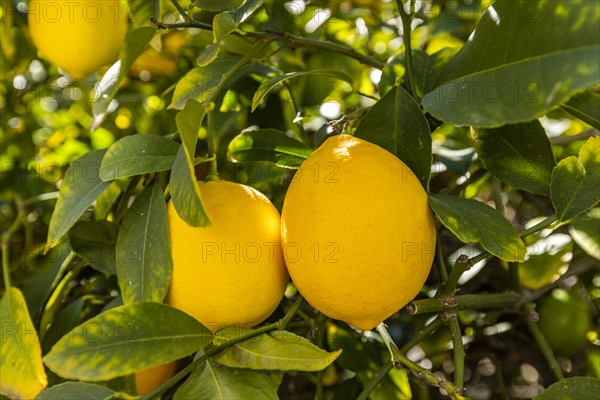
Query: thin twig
x=406, y=31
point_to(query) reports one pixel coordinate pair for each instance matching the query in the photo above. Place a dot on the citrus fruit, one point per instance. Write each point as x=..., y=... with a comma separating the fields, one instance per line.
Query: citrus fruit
x=232, y=272
x=160, y=63
x=151, y=378
x=564, y=321
x=78, y=37
x=357, y=232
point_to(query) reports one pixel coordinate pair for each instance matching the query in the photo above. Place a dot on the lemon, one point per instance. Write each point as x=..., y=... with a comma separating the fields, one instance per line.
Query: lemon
x=357, y=232
x=151, y=378
x=564, y=321
x=80, y=36
x=232, y=272
x=160, y=63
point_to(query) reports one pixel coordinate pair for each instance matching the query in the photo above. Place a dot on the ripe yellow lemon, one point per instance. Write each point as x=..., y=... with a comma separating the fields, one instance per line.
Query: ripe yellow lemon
x=357, y=232
x=232, y=272
x=151, y=378
x=77, y=36
x=160, y=63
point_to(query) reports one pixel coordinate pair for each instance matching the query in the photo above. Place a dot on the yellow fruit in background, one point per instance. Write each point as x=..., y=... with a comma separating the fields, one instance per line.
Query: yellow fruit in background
x=357, y=232
x=160, y=63
x=78, y=36
x=231, y=273
x=151, y=378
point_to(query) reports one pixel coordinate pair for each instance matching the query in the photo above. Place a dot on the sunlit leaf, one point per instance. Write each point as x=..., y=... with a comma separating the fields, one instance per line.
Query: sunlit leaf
x=575, y=182
x=76, y=391
x=23, y=374
x=586, y=107
x=524, y=58
x=268, y=145
x=135, y=42
x=226, y=22
x=271, y=83
x=80, y=187
x=519, y=154
x=185, y=193
x=213, y=381
x=202, y=83
x=397, y=124
x=144, y=263
x=278, y=350
x=586, y=233
x=117, y=342
x=474, y=221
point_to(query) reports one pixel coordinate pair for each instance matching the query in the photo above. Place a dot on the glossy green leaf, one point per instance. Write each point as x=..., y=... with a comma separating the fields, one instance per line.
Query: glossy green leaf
x=138, y=155
x=117, y=342
x=202, y=83
x=474, y=221
x=575, y=388
x=397, y=124
x=140, y=11
x=520, y=155
x=354, y=356
x=94, y=242
x=268, y=145
x=524, y=58
x=23, y=374
x=226, y=22
x=39, y=285
x=546, y=260
x=135, y=42
x=211, y=381
x=184, y=189
x=271, y=83
x=80, y=186
x=144, y=263
x=217, y=6
x=586, y=232
x=76, y=391
x=586, y=107
x=575, y=182
x=106, y=200
x=278, y=350
x=394, y=385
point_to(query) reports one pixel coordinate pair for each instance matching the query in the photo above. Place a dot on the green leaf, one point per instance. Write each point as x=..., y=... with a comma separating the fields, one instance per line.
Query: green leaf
x=427, y=68
x=138, y=155
x=354, y=357
x=117, y=342
x=106, y=200
x=144, y=263
x=140, y=11
x=213, y=381
x=546, y=260
x=575, y=183
x=474, y=221
x=23, y=374
x=278, y=350
x=586, y=107
x=268, y=145
x=520, y=155
x=80, y=186
x=271, y=83
x=524, y=58
x=68, y=318
x=135, y=43
x=94, y=242
x=217, y=6
x=202, y=83
x=185, y=193
x=226, y=22
x=397, y=124
x=575, y=388
x=39, y=285
x=76, y=391
x=584, y=230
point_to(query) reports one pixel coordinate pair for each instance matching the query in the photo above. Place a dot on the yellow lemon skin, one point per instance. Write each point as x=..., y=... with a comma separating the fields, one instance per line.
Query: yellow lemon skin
x=77, y=36
x=231, y=273
x=357, y=232
x=151, y=378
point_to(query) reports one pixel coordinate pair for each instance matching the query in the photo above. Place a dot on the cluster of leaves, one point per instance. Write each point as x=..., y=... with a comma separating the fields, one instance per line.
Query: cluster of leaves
x=479, y=100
